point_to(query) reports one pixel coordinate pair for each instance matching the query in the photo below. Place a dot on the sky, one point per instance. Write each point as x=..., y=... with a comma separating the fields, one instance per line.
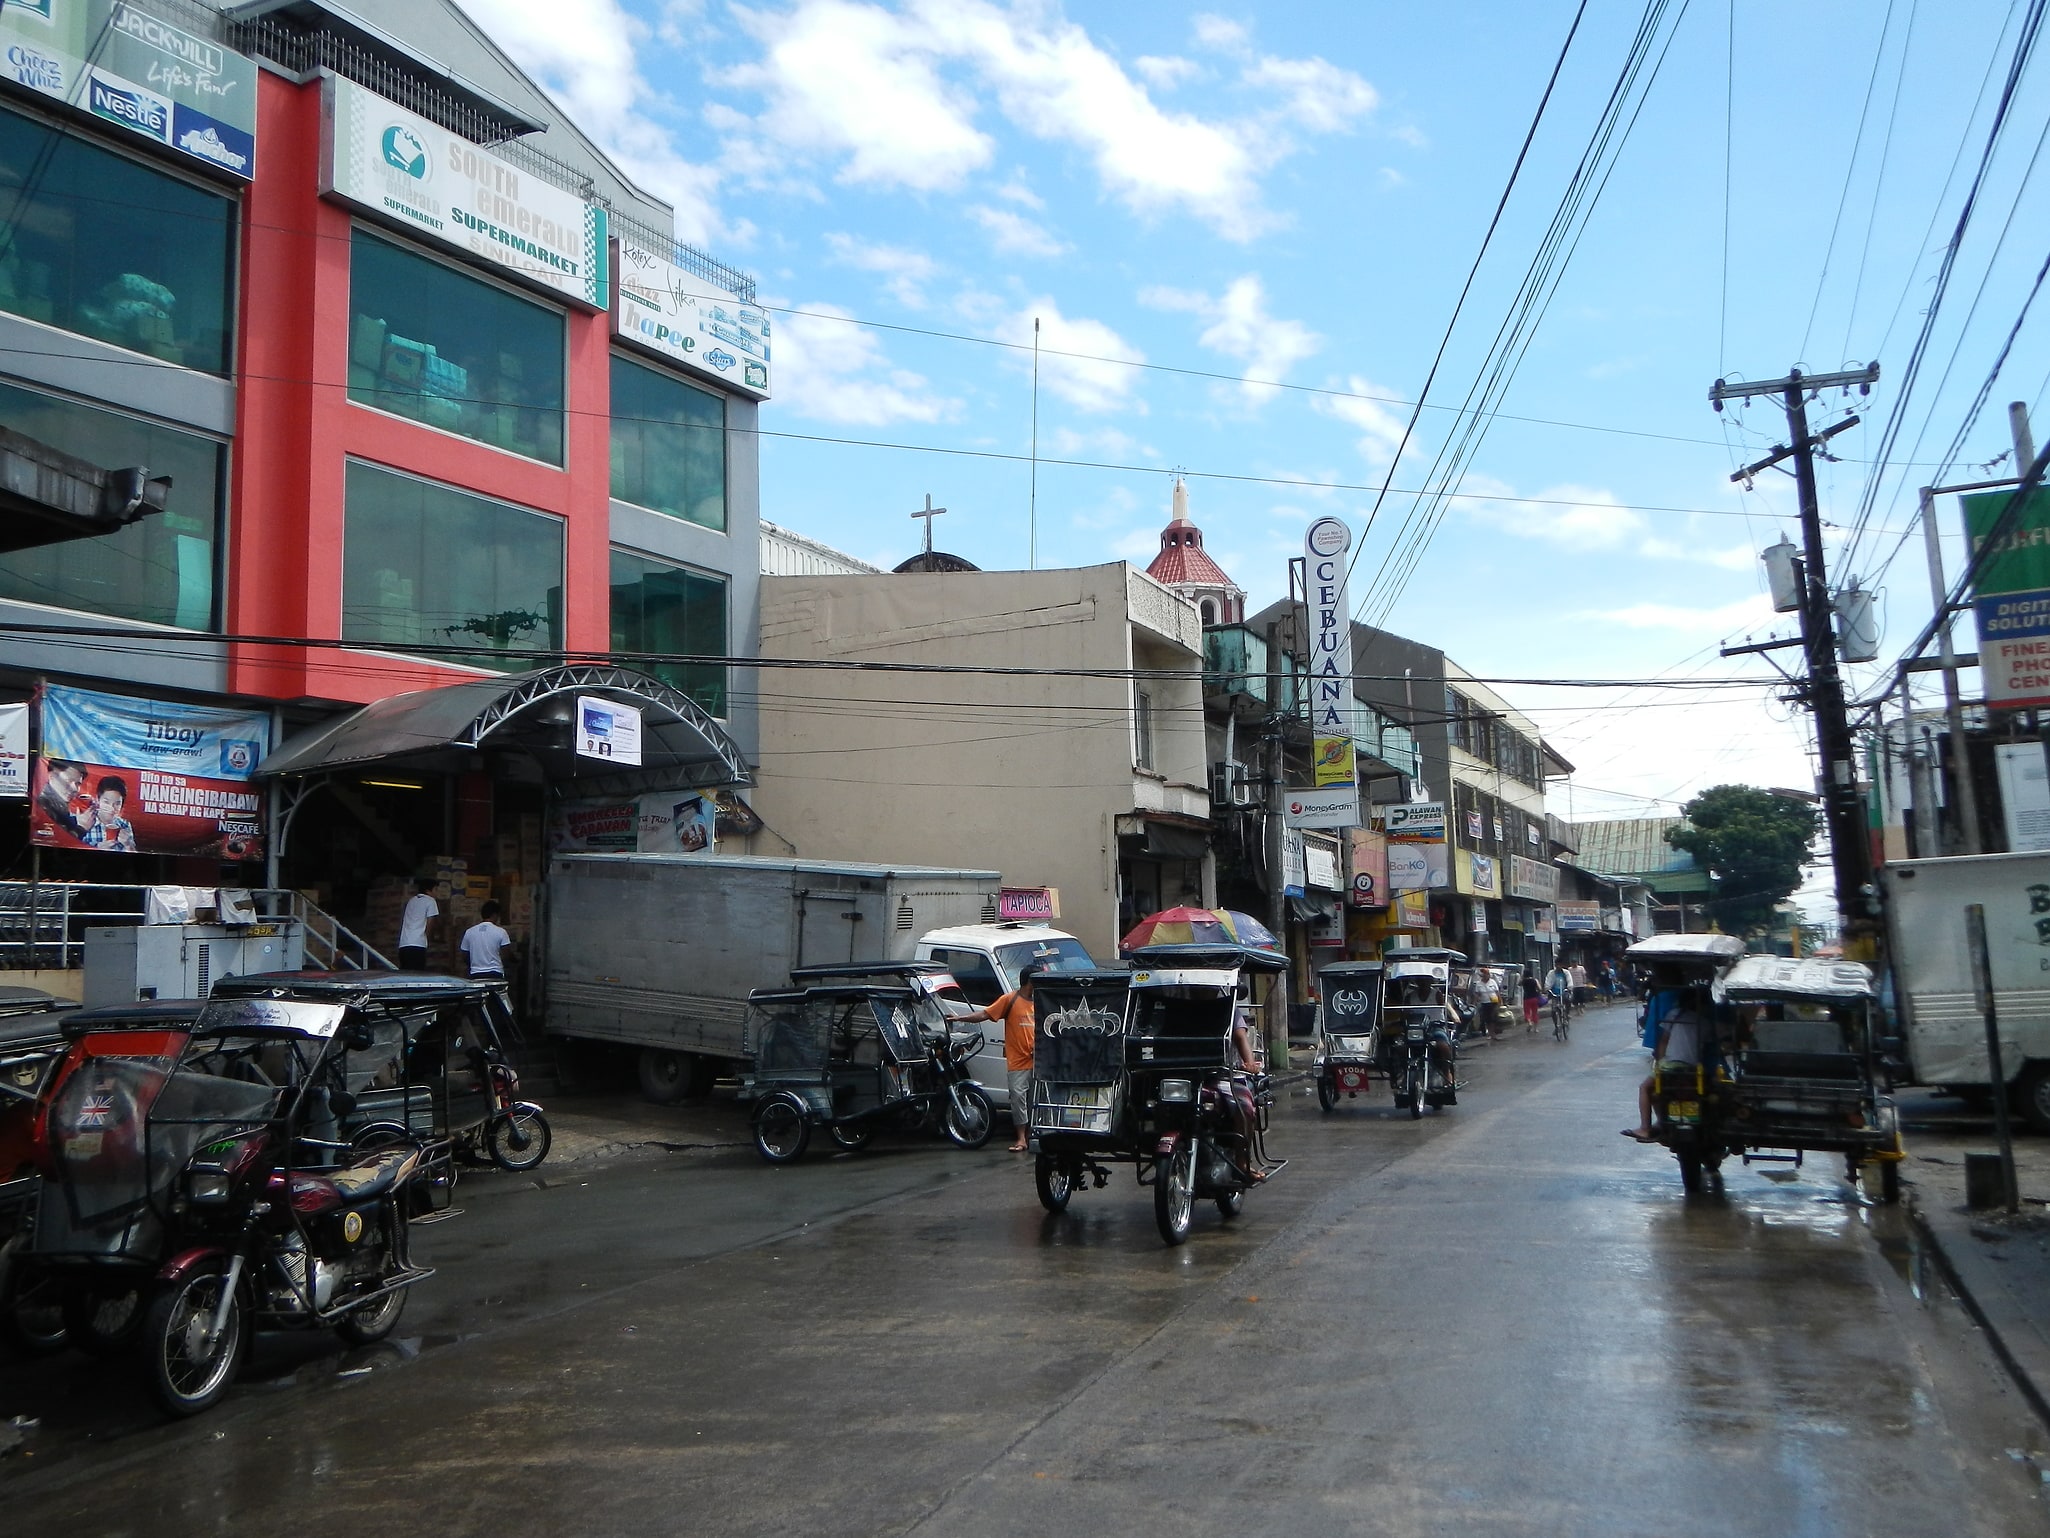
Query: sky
x=1276, y=208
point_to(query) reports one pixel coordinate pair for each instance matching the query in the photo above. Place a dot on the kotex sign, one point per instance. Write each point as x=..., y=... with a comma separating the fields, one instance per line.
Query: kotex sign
x=397, y=165
x=686, y=321
x=137, y=71
x=131, y=776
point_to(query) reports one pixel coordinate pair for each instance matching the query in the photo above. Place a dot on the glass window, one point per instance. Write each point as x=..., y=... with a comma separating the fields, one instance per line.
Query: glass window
x=424, y=564
x=668, y=445
x=100, y=244
x=444, y=348
x=659, y=607
x=159, y=569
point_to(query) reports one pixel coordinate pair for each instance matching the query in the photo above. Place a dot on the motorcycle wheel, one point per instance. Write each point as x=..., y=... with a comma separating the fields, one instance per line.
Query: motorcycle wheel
x=31, y=1307
x=1417, y=1074
x=518, y=1140
x=1230, y=1204
x=1327, y=1095
x=1174, y=1192
x=970, y=1118
x=782, y=1132
x=185, y=1376
x=373, y=1321
x=1055, y=1184
x=103, y=1324
x=851, y=1138
x=1690, y=1172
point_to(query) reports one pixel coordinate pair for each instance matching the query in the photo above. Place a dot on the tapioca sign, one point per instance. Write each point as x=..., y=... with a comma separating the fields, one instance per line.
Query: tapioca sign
x=1028, y=904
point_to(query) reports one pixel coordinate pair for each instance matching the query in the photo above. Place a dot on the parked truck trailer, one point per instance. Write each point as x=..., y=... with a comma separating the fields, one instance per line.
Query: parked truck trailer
x=660, y=951
x=1943, y=1032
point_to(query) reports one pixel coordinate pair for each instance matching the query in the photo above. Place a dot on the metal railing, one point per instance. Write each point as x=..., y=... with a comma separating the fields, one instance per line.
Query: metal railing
x=43, y=924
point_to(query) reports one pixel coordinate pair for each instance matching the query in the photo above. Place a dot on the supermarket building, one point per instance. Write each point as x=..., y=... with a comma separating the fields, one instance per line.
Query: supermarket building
x=440, y=398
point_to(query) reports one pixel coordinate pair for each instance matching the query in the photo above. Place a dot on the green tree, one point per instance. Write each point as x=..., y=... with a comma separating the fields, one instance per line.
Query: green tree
x=1753, y=844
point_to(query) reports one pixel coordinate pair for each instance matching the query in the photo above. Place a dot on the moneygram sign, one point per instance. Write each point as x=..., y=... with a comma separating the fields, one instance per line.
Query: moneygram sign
x=397, y=165
x=686, y=321
x=138, y=72
x=2011, y=600
x=1330, y=652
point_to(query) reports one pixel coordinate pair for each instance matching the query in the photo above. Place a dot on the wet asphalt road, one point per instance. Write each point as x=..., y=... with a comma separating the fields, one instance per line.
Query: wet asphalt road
x=1503, y=1319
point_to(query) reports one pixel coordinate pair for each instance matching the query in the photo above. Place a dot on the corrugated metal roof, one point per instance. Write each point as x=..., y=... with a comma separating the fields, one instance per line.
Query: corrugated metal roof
x=1632, y=846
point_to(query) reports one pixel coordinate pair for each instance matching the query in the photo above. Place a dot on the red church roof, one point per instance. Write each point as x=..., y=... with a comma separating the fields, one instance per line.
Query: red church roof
x=1183, y=562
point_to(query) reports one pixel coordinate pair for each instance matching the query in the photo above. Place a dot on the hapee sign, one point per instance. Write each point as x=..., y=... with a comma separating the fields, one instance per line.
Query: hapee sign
x=690, y=323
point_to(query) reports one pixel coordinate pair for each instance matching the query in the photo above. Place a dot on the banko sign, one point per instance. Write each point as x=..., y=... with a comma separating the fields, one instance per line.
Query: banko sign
x=688, y=322
x=1330, y=654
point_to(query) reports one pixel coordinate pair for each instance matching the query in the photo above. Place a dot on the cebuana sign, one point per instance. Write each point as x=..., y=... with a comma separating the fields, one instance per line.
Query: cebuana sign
x=1330, y=653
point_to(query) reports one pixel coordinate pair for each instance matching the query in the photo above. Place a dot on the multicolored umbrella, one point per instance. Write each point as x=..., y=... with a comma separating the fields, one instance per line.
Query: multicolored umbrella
x=1200, y=926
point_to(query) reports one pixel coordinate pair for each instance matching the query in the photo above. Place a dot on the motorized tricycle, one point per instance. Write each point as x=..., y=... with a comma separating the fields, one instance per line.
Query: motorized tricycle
x=1144, y=1067
x=856, y=1059
x=1420, y=1026
x=437, y=1070
x=1689, y=1099
x=1348, y=1030
x=209, y=1178
x=31, y=1046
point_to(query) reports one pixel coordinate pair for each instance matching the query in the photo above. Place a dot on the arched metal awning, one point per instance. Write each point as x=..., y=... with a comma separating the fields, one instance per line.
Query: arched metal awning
x=443, y=730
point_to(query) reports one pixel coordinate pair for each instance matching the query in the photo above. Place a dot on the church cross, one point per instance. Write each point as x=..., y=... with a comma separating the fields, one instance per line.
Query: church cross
x=928, y=513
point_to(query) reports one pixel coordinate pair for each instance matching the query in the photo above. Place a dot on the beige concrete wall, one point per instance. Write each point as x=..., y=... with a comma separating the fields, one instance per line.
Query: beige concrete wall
x=1022, y=774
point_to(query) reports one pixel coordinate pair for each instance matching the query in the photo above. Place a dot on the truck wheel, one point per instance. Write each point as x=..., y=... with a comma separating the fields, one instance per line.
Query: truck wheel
x=2033, y=1097
x=665, y=1075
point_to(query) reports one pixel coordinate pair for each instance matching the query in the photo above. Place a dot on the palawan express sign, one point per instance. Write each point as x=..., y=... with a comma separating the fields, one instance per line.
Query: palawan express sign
x=688, y=322
x=396, y=164
x=138, y=72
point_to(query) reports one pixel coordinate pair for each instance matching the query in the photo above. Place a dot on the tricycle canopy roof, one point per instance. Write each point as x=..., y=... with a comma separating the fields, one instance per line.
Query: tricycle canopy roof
x=1757, y=978
x=1350, y=971
x=856, y=970
x=269, y=1017
x=1208, y=958
x=1718, y=949
x=1436, y=953
x=364, y=989
x=143, y=1015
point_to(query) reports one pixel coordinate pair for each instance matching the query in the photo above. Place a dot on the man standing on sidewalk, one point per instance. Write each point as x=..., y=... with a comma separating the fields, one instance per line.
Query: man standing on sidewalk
x=1020, y=1022
x=484, y=945
x=419, y=926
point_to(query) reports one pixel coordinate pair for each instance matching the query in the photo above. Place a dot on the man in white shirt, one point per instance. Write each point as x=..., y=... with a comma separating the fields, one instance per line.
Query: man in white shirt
x=419, y=926
x=485, y=943
x=1679, y=1051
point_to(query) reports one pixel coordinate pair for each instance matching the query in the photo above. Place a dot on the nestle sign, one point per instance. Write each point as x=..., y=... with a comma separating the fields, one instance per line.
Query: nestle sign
x=1028, y=904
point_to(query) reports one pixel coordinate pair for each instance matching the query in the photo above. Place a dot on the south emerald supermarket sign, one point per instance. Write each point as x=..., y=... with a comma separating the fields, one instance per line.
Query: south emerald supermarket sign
x=397, y=165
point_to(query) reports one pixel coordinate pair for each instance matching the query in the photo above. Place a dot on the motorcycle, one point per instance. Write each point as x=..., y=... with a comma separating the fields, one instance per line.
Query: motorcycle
x=208, y=1179
x=1419, y=1028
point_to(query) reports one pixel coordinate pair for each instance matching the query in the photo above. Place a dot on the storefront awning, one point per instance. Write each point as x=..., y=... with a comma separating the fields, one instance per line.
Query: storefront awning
x=441, y=730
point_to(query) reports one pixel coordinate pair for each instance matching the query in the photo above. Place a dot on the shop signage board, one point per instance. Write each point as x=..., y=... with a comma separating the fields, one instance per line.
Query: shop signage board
x=658, y=822
x=2024, y=794
x=1412, y=910
x=1415, y=819
x=1369, y=887
x=1336, y=807
x=137, y=72
x=1332, y=712
x=2011, y=599
x=686, y=321
x=1486, y=879
x=1320, y=866
x=1578, y=917
x=13, y=752
x=1480, y=918
x=1533, y=879
x=1419, y=867
x=120, y=775
x=1293, y=865
x=609, y=730
x=1473, y=826
x=397, y=165
x=1028, y=904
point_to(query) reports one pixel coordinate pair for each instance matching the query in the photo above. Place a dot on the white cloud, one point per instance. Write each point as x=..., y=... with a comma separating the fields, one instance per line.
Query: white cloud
x=1411, y=135
x=1164, y=74
x=1015, y=191
x=1102, y=443
x=1241, y=328
x=593, y=69
x=1016, y=235
x=1380, y=426
x=1390, y=177
x=1754, y=612
x=1091, y=382
x=832, y=371
x=1220, y=34
x=827, y=66
x=1730, y=558
x=904, y=272
x=1583, y=517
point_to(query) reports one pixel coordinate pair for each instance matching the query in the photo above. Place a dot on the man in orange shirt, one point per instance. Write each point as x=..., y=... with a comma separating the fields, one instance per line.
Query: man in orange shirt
x=1020, y=1021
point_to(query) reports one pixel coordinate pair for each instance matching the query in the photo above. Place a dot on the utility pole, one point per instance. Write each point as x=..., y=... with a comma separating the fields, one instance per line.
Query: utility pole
x=1842, y=805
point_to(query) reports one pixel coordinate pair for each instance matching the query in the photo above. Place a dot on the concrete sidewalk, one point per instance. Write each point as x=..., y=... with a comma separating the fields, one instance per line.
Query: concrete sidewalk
x=2000, y=1265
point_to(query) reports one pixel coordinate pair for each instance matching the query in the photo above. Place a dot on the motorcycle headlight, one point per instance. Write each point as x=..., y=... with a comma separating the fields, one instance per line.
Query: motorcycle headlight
x=206, y=1183
x=1349, y=1046
x=1177, y=1091
x=1416, y=1033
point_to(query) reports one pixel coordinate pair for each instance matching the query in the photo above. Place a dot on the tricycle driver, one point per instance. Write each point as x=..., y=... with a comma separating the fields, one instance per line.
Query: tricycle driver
x=1676, y=1024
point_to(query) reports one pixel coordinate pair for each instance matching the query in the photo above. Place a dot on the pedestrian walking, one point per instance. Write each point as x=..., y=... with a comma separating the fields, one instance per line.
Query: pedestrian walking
x=1532, y=996
x=484, y=943
x=1580, y=988
x=1020, y=1022
x=419, y=926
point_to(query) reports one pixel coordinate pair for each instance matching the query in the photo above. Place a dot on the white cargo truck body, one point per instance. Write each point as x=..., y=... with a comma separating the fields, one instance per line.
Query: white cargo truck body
x=660, y=951
x=1943, y=1030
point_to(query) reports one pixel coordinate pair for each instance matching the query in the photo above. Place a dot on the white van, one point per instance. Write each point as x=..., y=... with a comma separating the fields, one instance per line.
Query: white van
x=985, y=960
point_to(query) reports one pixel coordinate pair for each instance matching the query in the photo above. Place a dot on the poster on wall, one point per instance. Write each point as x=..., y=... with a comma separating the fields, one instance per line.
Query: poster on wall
x=132, y=776
x=659, y=822
x=608, y=730
x=398, y=165
x=137, y=72
x=689, y=322
x=677, y=822
x=14, y=751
